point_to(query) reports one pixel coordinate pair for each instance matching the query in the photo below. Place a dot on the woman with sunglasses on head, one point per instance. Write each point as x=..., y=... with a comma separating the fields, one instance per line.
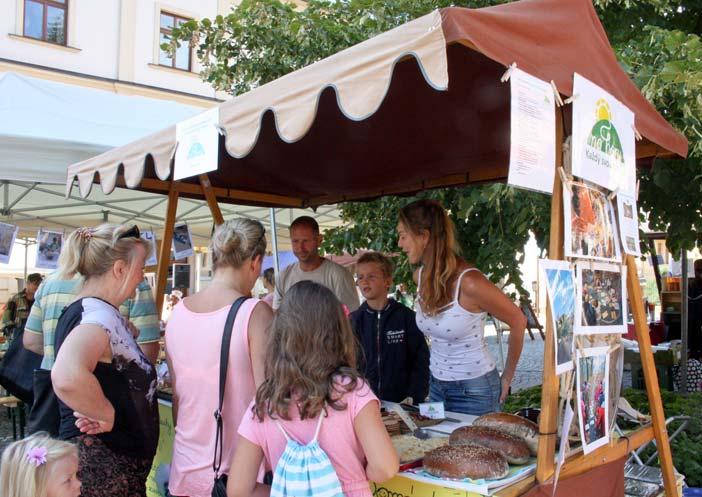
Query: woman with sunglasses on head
x=105, y=384
x=452, y=299
x=193, y=344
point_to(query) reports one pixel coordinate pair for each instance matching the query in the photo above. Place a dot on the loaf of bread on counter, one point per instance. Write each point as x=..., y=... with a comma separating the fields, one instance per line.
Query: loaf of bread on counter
x=514, y=449
x=465, y=461
x=512, y=424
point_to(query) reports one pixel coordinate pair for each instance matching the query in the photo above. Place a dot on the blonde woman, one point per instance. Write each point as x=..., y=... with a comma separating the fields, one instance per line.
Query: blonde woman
x=39, y=466
x=193, y=344
x=453, y=297
x=105, y=384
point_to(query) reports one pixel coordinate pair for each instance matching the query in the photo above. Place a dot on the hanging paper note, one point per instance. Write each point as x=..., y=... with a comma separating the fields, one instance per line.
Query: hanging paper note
x=560, y=286
x=563, y=448
x=532, y=159
x=604, y=147
x=198, y=145
x=592, y=369
x=182, y=242
x=49, y=245
x=150, y=238
x=628, y=224
x=8, y=234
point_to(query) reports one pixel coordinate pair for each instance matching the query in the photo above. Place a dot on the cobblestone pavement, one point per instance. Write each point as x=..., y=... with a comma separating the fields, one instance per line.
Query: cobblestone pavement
x=530, y=367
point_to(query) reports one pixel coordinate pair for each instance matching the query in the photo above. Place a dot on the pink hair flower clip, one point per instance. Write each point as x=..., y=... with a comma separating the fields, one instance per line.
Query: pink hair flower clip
x=347, y=313
x=36, y=456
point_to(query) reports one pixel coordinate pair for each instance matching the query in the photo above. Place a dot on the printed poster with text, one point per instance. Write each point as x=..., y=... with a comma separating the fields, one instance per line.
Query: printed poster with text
x=532, y=157
x=603, y=138
x=198, y=145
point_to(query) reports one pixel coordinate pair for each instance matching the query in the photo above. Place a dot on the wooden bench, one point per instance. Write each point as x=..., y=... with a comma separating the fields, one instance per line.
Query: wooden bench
x=15, y=408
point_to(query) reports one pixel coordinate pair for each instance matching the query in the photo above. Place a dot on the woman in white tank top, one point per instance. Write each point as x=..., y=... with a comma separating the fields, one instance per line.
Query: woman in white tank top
x=453, y=299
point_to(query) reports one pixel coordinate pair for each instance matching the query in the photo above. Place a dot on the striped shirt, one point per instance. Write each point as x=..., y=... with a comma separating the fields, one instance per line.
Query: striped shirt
x=55, y=294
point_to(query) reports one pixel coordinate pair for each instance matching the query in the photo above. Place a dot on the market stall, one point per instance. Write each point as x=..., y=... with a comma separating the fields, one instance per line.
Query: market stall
x=418, y=107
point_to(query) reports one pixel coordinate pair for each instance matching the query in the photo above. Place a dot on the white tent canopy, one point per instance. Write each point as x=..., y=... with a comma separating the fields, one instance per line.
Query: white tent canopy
x=45, y=125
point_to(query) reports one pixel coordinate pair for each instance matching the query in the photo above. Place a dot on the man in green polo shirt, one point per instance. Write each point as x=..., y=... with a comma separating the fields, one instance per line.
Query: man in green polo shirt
x=55, y=294
x=18, y=307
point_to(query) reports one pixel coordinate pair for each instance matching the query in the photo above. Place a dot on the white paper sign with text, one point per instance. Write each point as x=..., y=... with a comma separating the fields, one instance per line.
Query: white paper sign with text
x=532, y=157
x=198, y=145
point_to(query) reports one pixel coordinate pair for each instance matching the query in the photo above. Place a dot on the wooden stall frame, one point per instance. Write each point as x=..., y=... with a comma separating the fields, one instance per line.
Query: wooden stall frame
x=548, y=424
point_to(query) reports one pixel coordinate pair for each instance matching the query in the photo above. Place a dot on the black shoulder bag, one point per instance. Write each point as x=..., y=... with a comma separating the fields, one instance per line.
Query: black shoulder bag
x=220, y=480
x=17, y=367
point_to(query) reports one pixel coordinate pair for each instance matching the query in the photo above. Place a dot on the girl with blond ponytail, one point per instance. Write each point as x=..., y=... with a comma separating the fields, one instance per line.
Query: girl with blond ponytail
x=105, y=384
x=453, y=299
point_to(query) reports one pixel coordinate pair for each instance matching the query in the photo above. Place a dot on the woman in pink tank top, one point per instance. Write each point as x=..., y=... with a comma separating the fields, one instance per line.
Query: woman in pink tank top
x=453, y=298
x=193, y=344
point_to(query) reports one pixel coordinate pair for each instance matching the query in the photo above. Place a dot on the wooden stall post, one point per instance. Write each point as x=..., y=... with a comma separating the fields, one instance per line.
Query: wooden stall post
x=164, y=256
x=649, y=370
x=209, y=195
x=549, y=392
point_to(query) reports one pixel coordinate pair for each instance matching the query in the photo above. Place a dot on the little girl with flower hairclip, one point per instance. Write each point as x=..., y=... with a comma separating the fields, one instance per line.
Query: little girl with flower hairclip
x=39, y=466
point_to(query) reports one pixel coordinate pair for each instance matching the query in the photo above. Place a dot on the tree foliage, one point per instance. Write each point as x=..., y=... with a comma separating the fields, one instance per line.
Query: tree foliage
x=657, y=42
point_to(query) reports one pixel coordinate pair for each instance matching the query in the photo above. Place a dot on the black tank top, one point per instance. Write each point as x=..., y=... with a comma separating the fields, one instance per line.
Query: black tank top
x=128, y=382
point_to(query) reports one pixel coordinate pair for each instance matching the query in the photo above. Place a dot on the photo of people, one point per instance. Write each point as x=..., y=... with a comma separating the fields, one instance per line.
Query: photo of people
x=8, y=233
x=593, y=397
x=560, y=286
x=49, y=245
x=590, y=224
x=182, y=241
x=601, y=298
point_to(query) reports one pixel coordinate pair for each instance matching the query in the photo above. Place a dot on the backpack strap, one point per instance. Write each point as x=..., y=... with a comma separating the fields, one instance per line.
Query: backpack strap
x=223, y=366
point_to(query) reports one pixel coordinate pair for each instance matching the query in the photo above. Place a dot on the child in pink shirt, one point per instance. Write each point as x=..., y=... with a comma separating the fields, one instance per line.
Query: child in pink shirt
x=310, y=367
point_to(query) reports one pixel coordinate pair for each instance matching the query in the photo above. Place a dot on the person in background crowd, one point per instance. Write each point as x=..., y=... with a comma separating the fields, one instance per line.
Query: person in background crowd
x=18, y=307
x=193, y=345
x=105, y=384
x=452, y=299
x=395, y=358
x=269, y=284
x=306, y=239
x=39, y=466
x=312, y=393
x=56, y=293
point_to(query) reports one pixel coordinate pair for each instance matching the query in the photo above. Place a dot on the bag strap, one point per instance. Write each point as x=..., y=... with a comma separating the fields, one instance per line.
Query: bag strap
x=223, y=366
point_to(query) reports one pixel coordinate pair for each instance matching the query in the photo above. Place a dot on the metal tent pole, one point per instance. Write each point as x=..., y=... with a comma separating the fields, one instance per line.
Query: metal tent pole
x=683, y=322
x=274, y=241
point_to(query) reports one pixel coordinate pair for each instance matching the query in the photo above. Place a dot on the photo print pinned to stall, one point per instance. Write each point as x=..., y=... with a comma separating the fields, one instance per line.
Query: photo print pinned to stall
x=49, y=245
x=150, y=238
x=592, y=374
x=601, y=298
x=560, y=287
x=8, y=234
x=590, y=225
x=182, y=241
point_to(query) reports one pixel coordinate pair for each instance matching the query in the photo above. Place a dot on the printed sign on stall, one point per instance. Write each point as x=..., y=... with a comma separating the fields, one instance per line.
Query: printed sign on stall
x=628, y=224
x=8, y=234
x=603, y=145
x=49, y=245
x=182, y=242
x=593, y=397
x=532, y=158
x=198, y=145
x=150, y=238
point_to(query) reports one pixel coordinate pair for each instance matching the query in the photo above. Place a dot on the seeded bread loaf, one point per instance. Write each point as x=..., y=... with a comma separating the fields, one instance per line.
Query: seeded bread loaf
x=514, y=425
x=514, y=449
x=465, y=461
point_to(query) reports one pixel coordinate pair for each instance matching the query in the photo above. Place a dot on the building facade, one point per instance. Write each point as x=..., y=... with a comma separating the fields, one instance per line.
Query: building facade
x=107, y=44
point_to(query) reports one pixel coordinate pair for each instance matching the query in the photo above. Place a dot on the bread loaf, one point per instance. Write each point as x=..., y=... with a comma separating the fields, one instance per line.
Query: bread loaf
x=514, y=449
x=513, y=425
x=465, y=461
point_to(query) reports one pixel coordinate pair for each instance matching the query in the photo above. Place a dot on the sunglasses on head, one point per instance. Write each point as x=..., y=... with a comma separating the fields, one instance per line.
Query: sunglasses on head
x=132, y=232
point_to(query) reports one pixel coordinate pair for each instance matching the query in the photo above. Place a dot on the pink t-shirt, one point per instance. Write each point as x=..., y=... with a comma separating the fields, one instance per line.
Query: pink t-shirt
x=194, y=341
x=337, y=437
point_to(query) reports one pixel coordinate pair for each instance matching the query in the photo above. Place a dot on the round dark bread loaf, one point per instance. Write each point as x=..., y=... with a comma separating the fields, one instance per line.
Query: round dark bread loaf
x=465, y=461
x=514, y=425
x=514, y=449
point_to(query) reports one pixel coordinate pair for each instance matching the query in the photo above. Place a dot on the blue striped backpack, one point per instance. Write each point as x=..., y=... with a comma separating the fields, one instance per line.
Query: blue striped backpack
x=305, y=470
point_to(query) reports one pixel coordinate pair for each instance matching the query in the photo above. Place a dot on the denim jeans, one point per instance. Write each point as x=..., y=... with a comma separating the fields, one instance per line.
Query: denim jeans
x=476, y=396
